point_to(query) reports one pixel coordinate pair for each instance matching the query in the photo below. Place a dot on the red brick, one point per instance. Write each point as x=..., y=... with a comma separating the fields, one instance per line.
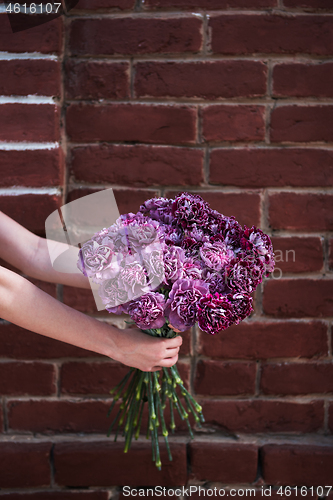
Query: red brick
x=303, y=80
x=33, y=378
x=103, y=463
x=24, y=77
x=138, y=165
x=271, y=34
x=297, y=378
x=233, y=123
x=330, y=416
x=297, y=465
x=301, y=211
x=105, y=4
x=45, y=38
x=1, y=420
x=261, y=167
x=18, y=168
x=202, y=79
x=58, y=416
x=224, y=378
x=30, y=210
x=228, y=463
x=244, y=206
x=57, y=495
x=298, y=298
x=259, y=340
x=96, y=80
x=316, y=4
x=91, y=378
x=131, y=122
x=302, y=124
x=135, y=35
x=260, y=415
x=209, y=4
x=330, y=256
x=298, y=255
x=18, y=343
x=29, y=122
x=24, y=465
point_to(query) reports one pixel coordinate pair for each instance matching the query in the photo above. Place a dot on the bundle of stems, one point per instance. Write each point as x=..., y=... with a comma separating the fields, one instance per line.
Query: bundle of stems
x=157, y=389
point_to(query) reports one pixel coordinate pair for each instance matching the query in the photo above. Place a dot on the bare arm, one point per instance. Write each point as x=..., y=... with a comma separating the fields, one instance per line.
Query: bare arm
x=29, y=253
x=27, y=306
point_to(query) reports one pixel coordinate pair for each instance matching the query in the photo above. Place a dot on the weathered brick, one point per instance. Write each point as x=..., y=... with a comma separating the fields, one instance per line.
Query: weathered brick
x=1, y=420
x=24, y=465
x=45, y=38
x=29, y=122
x=201, y=79
x=316, y=4
x=302, y=124
x=24, y=77
x=32, y=378
x=233, y=123
x=298, y=255
x=131, y=122
x=224, y=378
x=330, y=416
x=303, y=80
x=259, y=340
x=102, y=463
x=297, y=378
x=135, y=35
x=46, y=416
x=301, y=211
x=261, y=167
x=18, y=168
x=297, y=465
x=91, y=378
x=298, y=298
x=96, y=80
x=228, y=463
x=138, y=165
x=271, y=34
x=330, y=254
x=260, y=415
x=105, y=4
x=30, y=210
x=209, y=4
x=18, y=343
x=57, y=495
x=244, y=206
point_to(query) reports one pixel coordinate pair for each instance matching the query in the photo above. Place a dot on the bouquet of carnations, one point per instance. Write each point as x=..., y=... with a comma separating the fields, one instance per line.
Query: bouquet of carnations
x=174, y=263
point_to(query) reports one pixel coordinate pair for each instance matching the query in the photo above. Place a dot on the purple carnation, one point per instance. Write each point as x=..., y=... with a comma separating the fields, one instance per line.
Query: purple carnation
x=241, y=306
x=216, y=256
x=190, y=209
x=181, y=306
x=214, y=313
x=173, y=263
x=148, y=311
x=95, y=258
x=239, y=277
x=158, y=209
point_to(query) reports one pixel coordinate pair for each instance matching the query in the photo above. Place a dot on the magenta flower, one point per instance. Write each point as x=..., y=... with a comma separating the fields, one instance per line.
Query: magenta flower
x=216, y=256
x=214, y=313
x=181, y=306
x=173, y=263
x=190, y=209
x=241, y=306
x=148, y=311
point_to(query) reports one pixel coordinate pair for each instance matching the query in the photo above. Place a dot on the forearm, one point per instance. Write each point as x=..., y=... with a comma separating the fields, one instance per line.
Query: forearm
x=27, y=306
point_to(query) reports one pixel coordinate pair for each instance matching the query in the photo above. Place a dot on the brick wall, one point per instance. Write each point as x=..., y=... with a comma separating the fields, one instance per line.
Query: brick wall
x=229, y=99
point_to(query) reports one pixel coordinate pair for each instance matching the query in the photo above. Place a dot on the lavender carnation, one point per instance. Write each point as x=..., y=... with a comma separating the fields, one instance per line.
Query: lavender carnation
x=181, y=307
x=190, y=209
x=148, y=311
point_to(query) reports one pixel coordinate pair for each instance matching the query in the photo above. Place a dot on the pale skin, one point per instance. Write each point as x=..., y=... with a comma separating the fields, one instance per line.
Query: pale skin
x=25, y=305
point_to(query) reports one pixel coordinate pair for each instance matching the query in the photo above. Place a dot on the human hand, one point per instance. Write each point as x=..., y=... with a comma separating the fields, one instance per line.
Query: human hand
x=139, y=350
